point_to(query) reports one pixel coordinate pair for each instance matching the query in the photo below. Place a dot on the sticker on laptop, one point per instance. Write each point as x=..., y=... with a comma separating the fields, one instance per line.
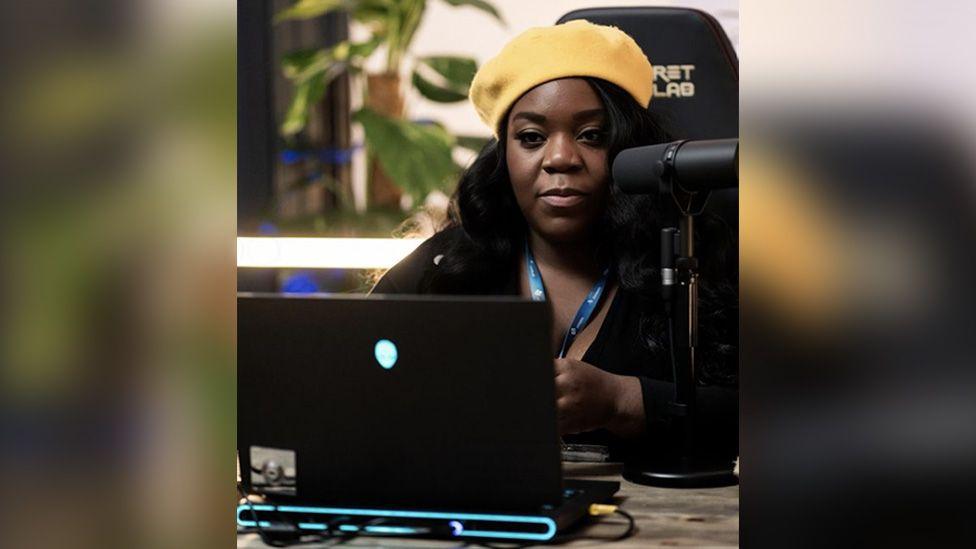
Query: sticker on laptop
x=273, y=471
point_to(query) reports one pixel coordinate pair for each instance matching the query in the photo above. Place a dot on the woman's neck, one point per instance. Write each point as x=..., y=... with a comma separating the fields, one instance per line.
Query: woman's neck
x=577, y=257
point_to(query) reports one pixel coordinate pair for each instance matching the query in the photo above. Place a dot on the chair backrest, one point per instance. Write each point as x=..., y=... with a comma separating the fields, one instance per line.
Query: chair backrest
x=696, y=70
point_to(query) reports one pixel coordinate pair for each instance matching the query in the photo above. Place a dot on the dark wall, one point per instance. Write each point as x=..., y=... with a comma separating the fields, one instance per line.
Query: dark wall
x=255, y=117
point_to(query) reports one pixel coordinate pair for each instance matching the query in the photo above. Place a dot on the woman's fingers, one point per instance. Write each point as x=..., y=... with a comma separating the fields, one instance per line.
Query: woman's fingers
x=562, y=366
x=566, y=416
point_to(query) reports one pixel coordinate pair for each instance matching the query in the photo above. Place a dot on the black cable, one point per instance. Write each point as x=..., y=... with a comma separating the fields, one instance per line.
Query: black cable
x=269, y=539
x=265, y=536
x=631, y=526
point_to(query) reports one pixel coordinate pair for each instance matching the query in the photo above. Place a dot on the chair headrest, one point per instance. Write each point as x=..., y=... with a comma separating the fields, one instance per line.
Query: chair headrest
x=696, y=70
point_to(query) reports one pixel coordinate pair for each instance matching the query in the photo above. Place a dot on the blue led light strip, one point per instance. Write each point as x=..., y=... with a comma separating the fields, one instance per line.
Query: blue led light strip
x=433, y=515
x=394, y=530
x=249, y=507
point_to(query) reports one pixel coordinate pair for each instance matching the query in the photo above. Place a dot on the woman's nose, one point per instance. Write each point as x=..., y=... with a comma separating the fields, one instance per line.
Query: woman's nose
x=561, y=155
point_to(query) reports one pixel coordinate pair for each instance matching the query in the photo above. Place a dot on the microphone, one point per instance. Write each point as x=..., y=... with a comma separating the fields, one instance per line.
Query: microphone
x=694, y=166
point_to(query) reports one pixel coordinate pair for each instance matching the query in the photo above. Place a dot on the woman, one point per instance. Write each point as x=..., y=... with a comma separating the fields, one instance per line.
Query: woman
x=537, y=215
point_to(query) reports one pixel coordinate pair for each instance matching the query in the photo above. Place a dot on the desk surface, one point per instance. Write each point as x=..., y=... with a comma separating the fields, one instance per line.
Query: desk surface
x=665, y=517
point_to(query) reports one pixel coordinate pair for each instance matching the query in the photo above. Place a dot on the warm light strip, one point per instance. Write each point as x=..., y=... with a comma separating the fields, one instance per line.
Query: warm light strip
x=323, y=253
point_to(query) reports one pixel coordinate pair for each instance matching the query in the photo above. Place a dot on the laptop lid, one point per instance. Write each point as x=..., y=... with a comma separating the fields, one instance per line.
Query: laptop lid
x=398, y=401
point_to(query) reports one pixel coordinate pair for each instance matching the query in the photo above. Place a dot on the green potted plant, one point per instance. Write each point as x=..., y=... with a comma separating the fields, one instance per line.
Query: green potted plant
x=405, y=156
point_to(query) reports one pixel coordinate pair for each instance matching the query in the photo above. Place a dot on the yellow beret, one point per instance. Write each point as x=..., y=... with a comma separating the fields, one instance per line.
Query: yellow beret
x=541, y=54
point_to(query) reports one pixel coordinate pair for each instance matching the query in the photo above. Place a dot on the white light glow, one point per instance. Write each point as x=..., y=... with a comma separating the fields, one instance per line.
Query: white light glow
x=323, y=253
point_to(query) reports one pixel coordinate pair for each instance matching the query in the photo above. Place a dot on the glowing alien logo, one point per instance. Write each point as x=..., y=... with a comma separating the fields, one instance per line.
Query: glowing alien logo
x=386, y=353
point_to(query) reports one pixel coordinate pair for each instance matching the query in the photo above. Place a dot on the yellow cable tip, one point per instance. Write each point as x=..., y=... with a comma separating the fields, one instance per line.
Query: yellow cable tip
x=602, y=509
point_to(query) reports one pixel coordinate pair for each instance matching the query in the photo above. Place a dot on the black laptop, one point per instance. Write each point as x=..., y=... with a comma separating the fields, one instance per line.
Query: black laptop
x=399, y=415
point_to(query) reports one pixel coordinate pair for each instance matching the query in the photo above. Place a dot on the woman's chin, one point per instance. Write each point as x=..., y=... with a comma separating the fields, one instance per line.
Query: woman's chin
x=563, y=231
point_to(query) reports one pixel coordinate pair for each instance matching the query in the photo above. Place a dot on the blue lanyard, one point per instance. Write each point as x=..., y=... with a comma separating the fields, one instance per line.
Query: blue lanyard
x=586, y=308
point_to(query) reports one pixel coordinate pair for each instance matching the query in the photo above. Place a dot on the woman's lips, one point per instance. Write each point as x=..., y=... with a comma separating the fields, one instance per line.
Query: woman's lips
x=562, y=201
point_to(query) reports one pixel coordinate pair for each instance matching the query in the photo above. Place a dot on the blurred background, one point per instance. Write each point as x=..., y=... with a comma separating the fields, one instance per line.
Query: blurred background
x=117, y=314
x=858, y=344
x=119, y=233
x=355, y=124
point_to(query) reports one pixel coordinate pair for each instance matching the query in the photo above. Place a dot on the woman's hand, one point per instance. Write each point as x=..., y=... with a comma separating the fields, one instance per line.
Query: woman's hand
x=589, y=398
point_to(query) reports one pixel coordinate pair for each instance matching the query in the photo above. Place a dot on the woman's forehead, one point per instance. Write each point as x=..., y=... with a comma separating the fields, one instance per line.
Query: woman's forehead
x=561, y=98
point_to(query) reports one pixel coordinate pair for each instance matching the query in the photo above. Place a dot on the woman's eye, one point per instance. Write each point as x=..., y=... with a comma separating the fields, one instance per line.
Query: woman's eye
x=530, y=138
x=593, y=136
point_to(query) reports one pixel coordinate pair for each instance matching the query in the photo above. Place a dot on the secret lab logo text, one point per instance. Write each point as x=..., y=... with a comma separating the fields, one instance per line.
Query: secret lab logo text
x=673, y=81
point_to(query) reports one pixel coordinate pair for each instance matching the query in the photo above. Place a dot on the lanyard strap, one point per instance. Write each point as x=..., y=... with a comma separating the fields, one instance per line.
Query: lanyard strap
x=586, y=308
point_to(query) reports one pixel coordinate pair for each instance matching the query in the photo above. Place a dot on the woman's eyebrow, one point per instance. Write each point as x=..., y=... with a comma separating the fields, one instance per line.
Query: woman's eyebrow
x=530, y=116
x=591, y=113
x=541, y=119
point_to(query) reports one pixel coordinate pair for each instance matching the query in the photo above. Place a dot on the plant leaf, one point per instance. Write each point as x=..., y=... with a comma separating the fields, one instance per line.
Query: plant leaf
x=436, y=93
x=377, y=15
x=365, y=49
x=417, y=157
x=481, y=5
x=308, y=9
x=307, y=93
x=459, y=71
x=303, y=64
x=451, y=77
x=312, y=71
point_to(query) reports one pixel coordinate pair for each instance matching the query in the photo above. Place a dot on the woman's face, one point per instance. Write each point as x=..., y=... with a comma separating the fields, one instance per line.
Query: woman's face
x=557, y=158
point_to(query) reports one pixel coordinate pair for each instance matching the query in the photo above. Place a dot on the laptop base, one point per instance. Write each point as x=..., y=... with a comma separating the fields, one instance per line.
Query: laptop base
x=346, y=521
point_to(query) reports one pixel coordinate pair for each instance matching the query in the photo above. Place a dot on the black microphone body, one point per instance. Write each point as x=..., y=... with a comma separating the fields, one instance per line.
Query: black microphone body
x=695, y=166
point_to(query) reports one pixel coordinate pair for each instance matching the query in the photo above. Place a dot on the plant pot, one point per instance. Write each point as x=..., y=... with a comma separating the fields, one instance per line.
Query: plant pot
x=385, y=97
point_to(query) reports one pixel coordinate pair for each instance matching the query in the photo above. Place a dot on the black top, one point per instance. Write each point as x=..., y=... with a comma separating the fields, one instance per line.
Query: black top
x=617, y=349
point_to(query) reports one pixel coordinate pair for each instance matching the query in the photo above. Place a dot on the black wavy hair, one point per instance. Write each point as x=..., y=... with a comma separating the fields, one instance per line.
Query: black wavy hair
x=482, y=236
